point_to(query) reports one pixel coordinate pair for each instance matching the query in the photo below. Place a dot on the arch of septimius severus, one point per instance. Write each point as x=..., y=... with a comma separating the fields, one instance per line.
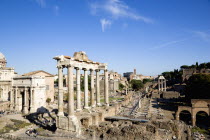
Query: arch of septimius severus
x=79, y=62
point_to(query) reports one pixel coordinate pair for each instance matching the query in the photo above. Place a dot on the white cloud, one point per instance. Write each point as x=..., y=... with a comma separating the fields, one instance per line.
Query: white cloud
x=117, y=9
x=42, y=3
x=203, y=35
x=56, y=10
x=168, y=44
x=105, y=24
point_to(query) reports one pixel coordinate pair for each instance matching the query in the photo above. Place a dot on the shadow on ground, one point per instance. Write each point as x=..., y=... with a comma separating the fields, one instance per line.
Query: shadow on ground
x=43, y=118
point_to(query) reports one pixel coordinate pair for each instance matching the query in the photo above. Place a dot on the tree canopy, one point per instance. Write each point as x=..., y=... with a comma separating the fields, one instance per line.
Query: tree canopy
x=121, y=86
x=197, y=66
x=136, y=84
x=147, y=80
x=198, y=87
x=173, y=77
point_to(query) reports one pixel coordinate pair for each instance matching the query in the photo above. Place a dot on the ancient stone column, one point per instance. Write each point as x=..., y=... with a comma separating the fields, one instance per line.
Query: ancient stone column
x=32, y=108
x=70, y=91
x=60, y=91
x=159, y=84
x=92, y=97
x=86, y=89
x=106, y=87
x=78, y=89
x=98, y=100
x=25, y=109
x=164, y=84
x=11, y=99
x=16, y=103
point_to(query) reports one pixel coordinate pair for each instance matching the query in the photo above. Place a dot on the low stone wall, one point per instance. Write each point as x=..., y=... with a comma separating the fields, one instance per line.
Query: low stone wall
x=170, y=95
x=97, y=117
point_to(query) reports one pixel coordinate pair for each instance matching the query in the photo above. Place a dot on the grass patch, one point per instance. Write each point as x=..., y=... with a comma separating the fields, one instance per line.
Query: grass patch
x=200, y=130
x=40, y=129
x=14, y=127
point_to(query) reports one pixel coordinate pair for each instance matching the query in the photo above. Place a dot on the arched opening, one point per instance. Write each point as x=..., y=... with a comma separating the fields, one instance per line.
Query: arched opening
x=202, y=119
x=186, y=117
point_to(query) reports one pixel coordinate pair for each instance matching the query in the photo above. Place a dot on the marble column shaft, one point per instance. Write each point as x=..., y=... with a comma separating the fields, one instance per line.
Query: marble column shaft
x=11, y=99
x=92, y=97
x=159, y=84
x=60, y=91
x=165, y=85
x=70, y=91
x=86, y=89
x=98, y=100
x=106, y=87
x=78, y=90
x=25, y=109
x=32, y=103
x=16, y=103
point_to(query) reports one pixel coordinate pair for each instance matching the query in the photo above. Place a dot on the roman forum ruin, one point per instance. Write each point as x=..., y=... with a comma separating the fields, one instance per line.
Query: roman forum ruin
x=161, y=83
x=79, y=62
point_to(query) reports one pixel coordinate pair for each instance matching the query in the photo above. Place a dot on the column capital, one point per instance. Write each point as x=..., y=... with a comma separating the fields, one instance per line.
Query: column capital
x=60, y=67
x=85, y=69
x=68, y=65
x=97, y=70
x=106, y=70
x=77, y=68
x=92, y=70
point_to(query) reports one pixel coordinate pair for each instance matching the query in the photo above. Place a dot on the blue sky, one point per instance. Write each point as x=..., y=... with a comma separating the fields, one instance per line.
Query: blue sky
x=150, y=35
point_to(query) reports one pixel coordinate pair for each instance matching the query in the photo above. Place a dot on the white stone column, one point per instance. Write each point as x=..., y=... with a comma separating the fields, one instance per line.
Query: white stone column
x=159, y=84
x=106, y=87
x=98, y=99
x=86, y=89
x=60, y=91
x=16, y=103
x=70, y=91
x=92, y=97
x=32, y=108
x=11, y=99
x=78, y=89
x=164, y=84
x=25, y=109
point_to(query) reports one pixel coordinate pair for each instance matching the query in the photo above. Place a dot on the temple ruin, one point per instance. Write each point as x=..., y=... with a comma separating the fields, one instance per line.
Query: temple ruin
x=80, y=61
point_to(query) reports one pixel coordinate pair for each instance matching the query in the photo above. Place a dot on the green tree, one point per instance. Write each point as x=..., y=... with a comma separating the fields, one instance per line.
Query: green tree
x=184, y=67
x=198, y=87
x=146, y=81
x=136, y=84
x=121, y=86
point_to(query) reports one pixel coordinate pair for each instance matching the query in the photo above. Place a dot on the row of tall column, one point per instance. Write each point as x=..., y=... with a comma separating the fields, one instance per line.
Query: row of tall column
x=94, y=101
x=162, y=84
x=14, y=104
